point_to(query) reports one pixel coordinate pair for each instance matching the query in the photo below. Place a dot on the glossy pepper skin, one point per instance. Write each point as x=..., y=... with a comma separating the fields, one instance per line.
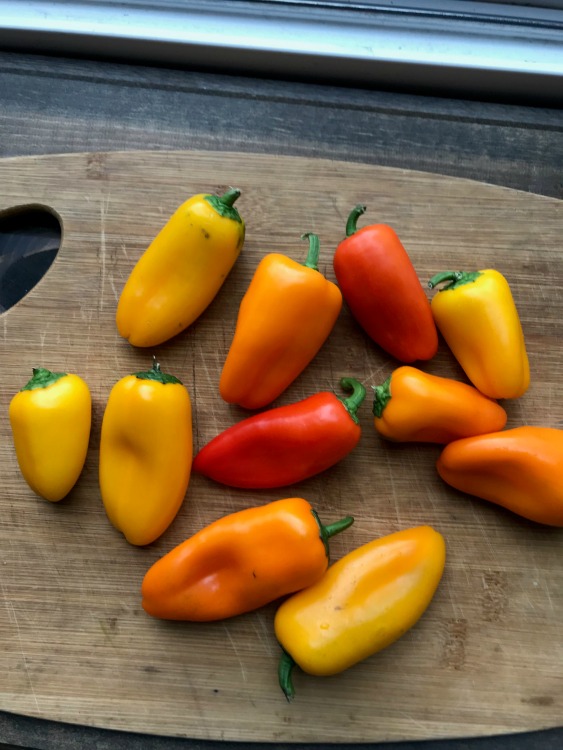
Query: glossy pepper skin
x=476, y=315
x=51, y=419
x=145, y=453
x=362, y=604
x=414, y=406
x=519, y=469
x=382, y=290
x=284, y=318
x=240, y=563
x=285, y=445
x=182, y=270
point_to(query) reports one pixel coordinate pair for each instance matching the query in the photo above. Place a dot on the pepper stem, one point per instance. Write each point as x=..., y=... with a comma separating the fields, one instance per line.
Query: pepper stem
x=42, y=378
x=381, y=397
x=354, y=401
x=456, y=278
x=312, y=259
x=156, y=374
x=326, y=532
x=355, y=214
x=230, y=197
x=223, y=204
x=285, y=668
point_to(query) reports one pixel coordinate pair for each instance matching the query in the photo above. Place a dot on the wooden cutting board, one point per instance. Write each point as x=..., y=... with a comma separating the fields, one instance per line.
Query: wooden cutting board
x=75, y=644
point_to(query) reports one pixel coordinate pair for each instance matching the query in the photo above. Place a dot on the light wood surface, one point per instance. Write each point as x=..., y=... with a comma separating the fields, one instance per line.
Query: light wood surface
x=75, y=644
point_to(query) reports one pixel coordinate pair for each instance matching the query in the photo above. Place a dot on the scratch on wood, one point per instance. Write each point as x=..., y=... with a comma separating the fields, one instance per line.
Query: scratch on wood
x=25, y=664
x=233, y=644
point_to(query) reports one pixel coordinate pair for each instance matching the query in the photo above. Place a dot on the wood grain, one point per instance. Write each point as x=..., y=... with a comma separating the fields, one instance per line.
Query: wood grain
x=75, y=644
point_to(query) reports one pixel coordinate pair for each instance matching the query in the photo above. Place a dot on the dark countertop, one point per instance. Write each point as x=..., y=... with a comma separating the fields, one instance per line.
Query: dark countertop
x=53, y=105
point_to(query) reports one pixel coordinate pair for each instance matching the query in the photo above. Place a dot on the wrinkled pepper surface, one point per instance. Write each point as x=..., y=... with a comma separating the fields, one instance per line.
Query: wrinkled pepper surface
x=51, y=419
x=476, y=315
x=240, y=563
x=285, y=445
x=362, y=604
x=182, y=270
x=284, y=318
x=412, y=405
x=382, y=290
x=145, y=453
x=519, y=469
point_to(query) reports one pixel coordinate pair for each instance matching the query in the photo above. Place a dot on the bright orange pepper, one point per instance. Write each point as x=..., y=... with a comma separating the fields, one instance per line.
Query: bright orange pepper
x=519, y=469
x=240, y=563
x=415, y=406
x=362, y=604
x=285, y=317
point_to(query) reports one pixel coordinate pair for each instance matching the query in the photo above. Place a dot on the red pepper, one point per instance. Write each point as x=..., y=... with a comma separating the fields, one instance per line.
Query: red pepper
x=287, y=444
x=382, y=290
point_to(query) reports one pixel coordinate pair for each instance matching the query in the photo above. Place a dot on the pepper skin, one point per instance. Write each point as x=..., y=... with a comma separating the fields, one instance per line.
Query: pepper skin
x=145, y=453
x=414, y=406
x=519, y=469
x=182, y=270
x=477, y=317
x=363, y=603
x=240, y=563
x=284, y=318
x=382, y=290
x=285, y=445
x=51, y=418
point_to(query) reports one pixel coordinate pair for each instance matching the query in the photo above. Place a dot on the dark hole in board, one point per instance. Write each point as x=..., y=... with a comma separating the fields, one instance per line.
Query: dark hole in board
x=29, y=242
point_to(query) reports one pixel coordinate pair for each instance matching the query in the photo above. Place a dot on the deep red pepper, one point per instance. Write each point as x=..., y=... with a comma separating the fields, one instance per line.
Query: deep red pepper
x=287, y=444
x=382, y=290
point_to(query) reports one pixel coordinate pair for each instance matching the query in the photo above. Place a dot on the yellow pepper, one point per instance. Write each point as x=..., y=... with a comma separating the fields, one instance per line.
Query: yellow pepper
x=145, y=453
x=182, y=270
x=51, y=419
x=476, y=315
x=362, y=604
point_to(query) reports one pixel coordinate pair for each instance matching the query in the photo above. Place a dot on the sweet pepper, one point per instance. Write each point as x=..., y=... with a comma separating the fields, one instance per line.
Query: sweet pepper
x=145, y=453
x=476, y=315
x=284, y=318
x=240, y=563
x=181, y=271
x=412, y=405
x=51, y=419
x=519, y=469
x=287, y=444
x=382, y=290
x=362, y=604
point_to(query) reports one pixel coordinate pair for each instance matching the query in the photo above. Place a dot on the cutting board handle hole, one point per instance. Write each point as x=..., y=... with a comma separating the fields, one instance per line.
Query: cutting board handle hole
x=30, y=238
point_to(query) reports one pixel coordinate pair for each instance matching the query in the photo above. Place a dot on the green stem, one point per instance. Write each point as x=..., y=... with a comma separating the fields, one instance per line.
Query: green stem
x=223, y=204
x=42, y=378
x=456, y=279
x=354, y=401
x=326, y=532
x=381, y=397
x=312, y=259
x=285, y=668
x=156, y=374
x=355, y=214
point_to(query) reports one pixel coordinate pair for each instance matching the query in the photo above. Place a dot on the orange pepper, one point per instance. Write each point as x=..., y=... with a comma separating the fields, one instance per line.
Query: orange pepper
x=285, y=317
x=519, y=469
x=240, y=563
x=415, y=406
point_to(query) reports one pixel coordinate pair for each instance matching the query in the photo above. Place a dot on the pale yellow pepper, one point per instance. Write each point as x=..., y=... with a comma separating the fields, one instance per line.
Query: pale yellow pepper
x=51, y=419
x=181, y=271
x=145, y=453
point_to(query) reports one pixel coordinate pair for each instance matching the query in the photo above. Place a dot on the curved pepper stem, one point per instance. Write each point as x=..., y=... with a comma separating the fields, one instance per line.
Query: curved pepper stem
x=285, y=667
x=312, y=259
x=456, y=278
x=155, y=373
x=42, y=378
x=381, y=397
x=326, y=532
x=355, y=214
x=223, y=204
x=354, y=401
